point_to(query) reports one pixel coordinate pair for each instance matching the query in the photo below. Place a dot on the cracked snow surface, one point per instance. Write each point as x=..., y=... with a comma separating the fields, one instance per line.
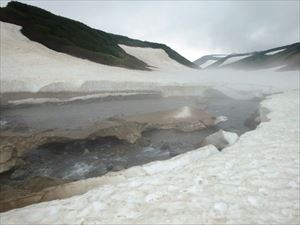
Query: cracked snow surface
x=254, y=181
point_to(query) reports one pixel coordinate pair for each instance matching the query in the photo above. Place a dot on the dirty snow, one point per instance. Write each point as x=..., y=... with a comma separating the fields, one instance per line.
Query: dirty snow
x=255, y=181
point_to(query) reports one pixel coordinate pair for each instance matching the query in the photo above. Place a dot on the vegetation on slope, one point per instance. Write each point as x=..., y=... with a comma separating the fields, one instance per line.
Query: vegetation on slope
x=77, y=39
x=288, y=58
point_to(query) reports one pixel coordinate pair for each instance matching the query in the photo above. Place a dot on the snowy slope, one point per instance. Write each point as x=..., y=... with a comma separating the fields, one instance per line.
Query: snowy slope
x=78, y=39
x=208, y=63
x=284, y=57
x=229, y=60
x=234, y=59
x=156, y=58
x=255, y=181
x=30, y=66
x=275, y=52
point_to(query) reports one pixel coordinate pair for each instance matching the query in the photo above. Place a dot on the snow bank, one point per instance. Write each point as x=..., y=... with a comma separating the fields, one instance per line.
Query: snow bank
x=275, y=52
x=156, y=58
x=221, y=139
x=255, y=181
x=207, y=63
x=83, y=97
x=234, y=59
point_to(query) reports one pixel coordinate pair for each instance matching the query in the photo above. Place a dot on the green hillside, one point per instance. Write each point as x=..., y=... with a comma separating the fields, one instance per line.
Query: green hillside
x=76, y=39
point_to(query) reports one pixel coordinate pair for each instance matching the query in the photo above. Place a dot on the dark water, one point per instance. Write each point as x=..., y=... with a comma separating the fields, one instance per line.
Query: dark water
x=82, y=159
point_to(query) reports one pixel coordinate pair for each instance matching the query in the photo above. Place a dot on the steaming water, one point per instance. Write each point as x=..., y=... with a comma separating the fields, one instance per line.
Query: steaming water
x=82, y=159
x=83, y=114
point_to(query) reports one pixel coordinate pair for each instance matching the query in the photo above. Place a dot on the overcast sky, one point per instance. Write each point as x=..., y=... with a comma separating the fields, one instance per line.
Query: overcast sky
x=193, y=28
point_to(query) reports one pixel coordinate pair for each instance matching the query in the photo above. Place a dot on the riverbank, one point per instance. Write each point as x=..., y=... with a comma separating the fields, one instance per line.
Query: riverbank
x=150, y=129
x=254, y=181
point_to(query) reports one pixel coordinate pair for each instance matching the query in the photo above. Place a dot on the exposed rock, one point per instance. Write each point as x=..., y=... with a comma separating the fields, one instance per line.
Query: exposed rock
x=8, y=157
x=185, y=119
x=30, y=185
x=6, y=153
x=23, y=142
x=128, y=129
x=220, y=139
x=38, y=183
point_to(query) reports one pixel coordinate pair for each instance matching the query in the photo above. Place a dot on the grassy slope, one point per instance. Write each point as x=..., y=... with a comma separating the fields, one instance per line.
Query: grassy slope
x=76, y=39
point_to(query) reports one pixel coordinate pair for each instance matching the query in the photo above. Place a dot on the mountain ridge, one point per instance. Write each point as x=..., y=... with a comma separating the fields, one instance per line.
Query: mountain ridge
x=77, y=39
x=286, y=57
